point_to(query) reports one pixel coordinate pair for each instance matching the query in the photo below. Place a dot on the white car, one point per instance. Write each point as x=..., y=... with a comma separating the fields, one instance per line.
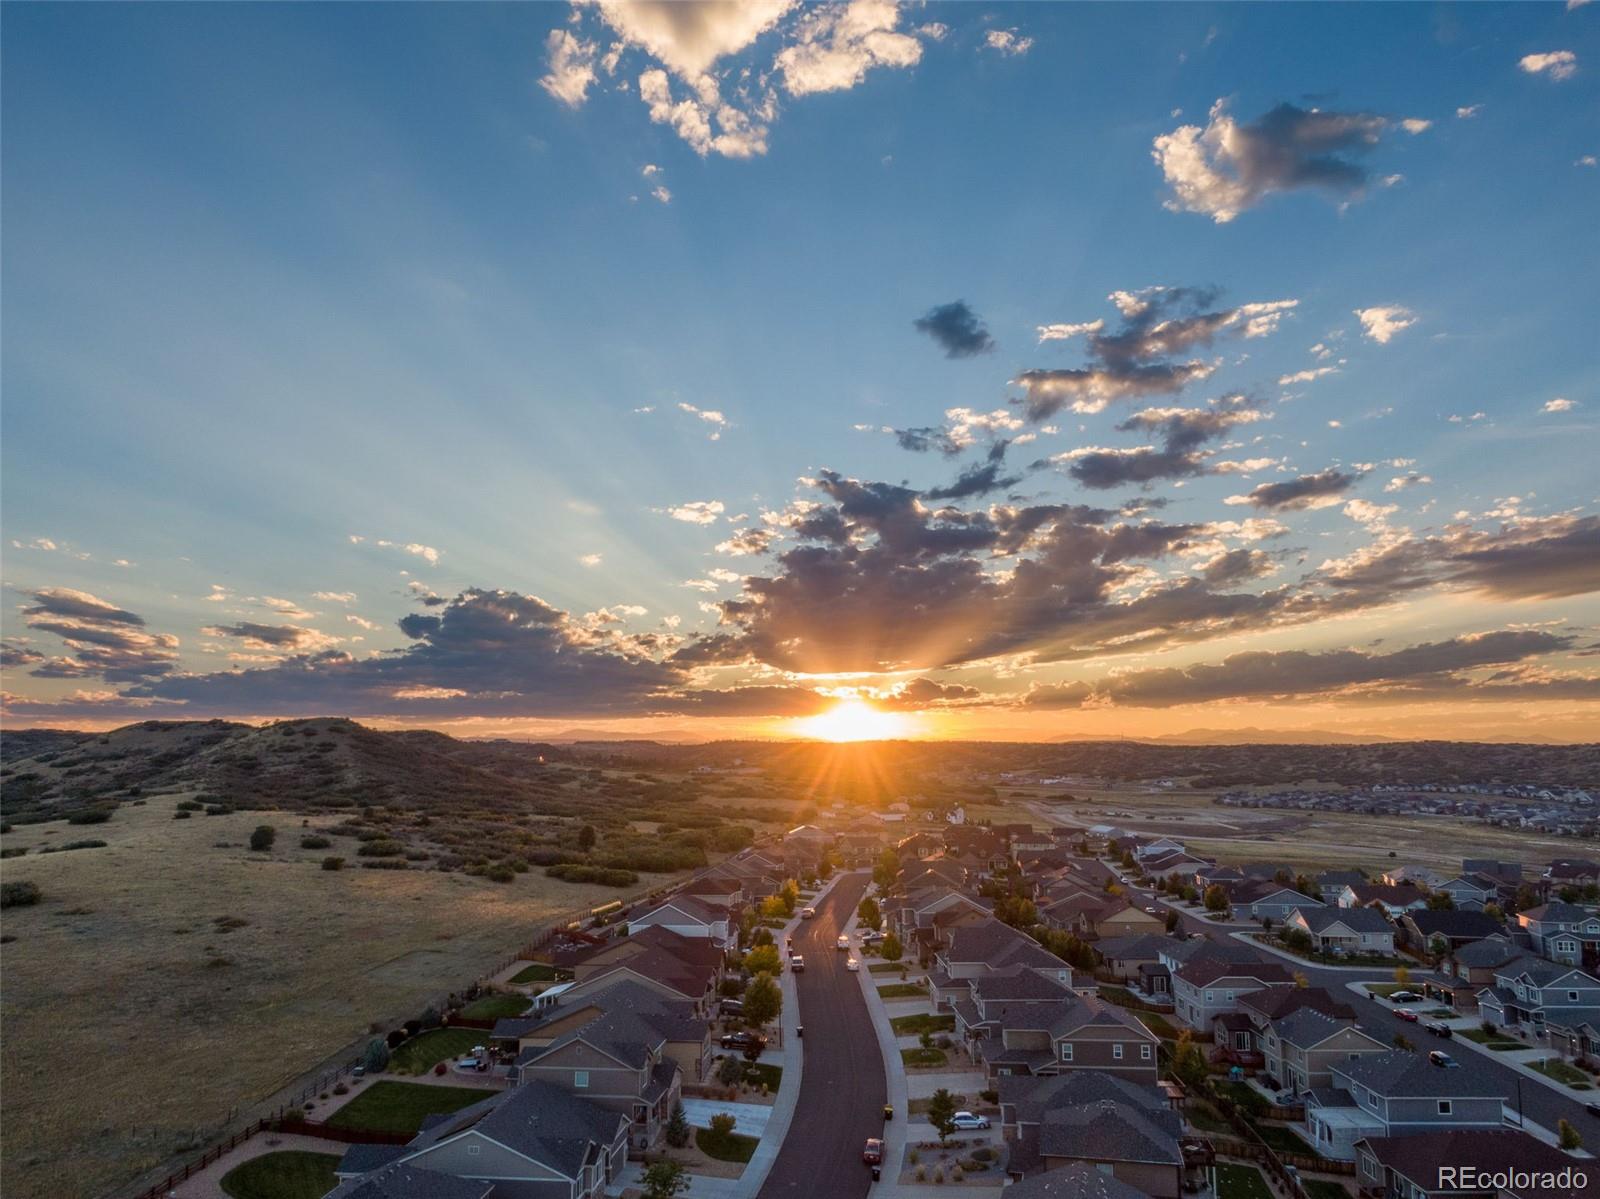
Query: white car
x=966, y=1121
x=807, y=913
x=844, y=943
x=851, y=964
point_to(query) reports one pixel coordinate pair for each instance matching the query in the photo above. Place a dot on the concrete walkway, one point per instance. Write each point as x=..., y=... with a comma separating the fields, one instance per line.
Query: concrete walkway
x=207, y=1184
x=749, y=1119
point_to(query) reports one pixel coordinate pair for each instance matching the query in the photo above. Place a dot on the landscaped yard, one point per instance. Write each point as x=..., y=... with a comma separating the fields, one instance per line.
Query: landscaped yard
x=1158, y=1024
x=537, y=972
x=495, y=1007
x=902, y=991
x=1284, y=1140
x=732, y=1147
x=1241, y=1182
x=920, y=1058
x=887, y=967
x=1207, y=1119
x=421, y=1054
x=400, y=1106
x=1244, y=1096
x=1494, y=1041
x=289, y=1174
x=757, y=1072
x=922, y=1022
x=1559, y=1070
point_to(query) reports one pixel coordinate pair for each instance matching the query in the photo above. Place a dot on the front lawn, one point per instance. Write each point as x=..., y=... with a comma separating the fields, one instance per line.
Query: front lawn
x=495, y=1007
x=421, y=1054
x=1284, y=1140
x=922, y=1022
x=288, y=1174
x=401, y=1106
x=732, y=1147
x=902, y=991
x=922, y=1058
x=1494, y=1041
x=759, y=1072
x=887, y=967
x=538, y=972
x=1241, y=1182
x=1559, y=1070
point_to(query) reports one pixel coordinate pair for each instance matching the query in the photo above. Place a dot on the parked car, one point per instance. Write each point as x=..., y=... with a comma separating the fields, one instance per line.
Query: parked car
x=844, y=943
x=851, y=963
x=966, y=1121
x=873, y=1153
x=1439, y=1058
x=871, y=936
x=1592, y=1108
x=743, y=1040
x=731, y=1007
x=807, y=913
x=797, y=963
x=1407, y=1015
x=1405, y=997
x=1153, y=910
x=1439, y=1029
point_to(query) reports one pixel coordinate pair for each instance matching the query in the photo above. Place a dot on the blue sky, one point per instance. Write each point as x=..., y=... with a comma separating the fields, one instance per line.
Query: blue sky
x=276, y=278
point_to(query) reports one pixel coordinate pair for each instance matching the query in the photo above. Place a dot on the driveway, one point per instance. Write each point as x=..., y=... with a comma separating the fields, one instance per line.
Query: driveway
x=748, y=1118
x=842, y=1087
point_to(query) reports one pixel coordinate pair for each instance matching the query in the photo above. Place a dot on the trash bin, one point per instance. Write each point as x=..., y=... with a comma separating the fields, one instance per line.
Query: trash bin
x=800, y=1030
x=876, y=1173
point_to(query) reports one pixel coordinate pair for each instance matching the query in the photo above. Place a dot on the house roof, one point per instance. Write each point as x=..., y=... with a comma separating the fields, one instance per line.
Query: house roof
x=992, y=942
x=1276, y=1002
x=1033, y=1095
x=1018, y=983
x=1489, y=952
x=1420, y=1156
x=629, y=1020
x=1400, y=1074
x=1308, y=1027
x=402, y=1181
x=537, y=1119
x=1556, y=912
x=1200, y=949
x=1138, y=945
x=1357, y=920
x=1110, y=1130
x=1453, y=924
x=1340, y=878
x=1396, y=896
x=1204, y=972
x=696, y=909
x=1076, y=1181
x=1088, y=1011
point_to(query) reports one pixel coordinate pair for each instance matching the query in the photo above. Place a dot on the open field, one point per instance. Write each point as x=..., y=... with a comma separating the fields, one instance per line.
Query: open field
x=165, y=984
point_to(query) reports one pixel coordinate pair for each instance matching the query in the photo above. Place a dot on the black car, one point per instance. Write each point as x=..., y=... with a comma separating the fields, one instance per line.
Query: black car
x=1439, y=1029
x=743, y=1040
x=731, y=1007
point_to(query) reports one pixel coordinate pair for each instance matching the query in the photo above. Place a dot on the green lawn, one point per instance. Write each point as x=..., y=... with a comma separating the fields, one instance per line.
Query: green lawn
x=1244, y=1096
x=289, y=1174
x=538, y=972
x=1321, y=1188
x=1207, y=1119
x=1241, y=1182
x=400, y=1106
x=1559, y=1070
x=922, y=1022
x=1158, y=1024
x=495, y=1007
x=1493, y=1040
x=922, y=1057
x=734, y=1147
x=1284, y=1140
x=421, y=1054
x=755, y=1072
x=887, y=967
x=902, y=991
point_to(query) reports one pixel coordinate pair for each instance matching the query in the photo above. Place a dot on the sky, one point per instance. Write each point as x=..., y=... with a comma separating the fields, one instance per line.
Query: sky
x=1014, y=371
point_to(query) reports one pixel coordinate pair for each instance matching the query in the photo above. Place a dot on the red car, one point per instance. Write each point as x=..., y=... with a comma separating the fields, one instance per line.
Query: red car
x=1406, y=1014
x=873, y=1153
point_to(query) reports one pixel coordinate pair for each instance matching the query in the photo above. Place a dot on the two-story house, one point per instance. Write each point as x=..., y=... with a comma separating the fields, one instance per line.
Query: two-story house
x=1203, y=989
x=1560, y=931
x=986, y=947
x=1119, y=1128
x=993, y=998
x=675, y=966
x=1123, y=956
x=1299, y=1049
x=1471, y=892
x=1398, y=1093
x=1272, y=902
x=688, y=916
x=1531, y=991
x=1349, y=930
x=1435, y=1165
x=1393, y=901
x=1442, y=932
x=1084, y=1034
x=1238, y=1035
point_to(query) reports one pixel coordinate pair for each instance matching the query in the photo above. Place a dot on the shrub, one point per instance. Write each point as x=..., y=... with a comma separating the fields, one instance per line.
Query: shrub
x=722, y=1126
x=376, y=1058
x=333, y=863
x=500, y=873
x=19, y=894
x=182, y=815
x=601, y=875
x=382, y=848
x=396, y=1037
x=384, y=864
x=15, y=851
x=340, y=1089
x=312, y=841
x=190, y=805
x=73, y=845
x=261, y=840
x=89, y=816
x=217, y=809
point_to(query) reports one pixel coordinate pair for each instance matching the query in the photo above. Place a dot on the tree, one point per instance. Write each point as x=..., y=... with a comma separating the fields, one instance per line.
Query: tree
x=763, y=1001
x=1216, y=899
x=1297, y=939
x=1188, y=1062
x=586, y=838
x=790, y=894
x=664, y=1180
x=1173, y=920
x=763, y=959
x=1017, y=911
x=891, y=948
x=942, y=1113
x=868, y=912
x=729, y=1071
x=772, y=908
x=261, y=840
x=722, y=1125
x=886, y=870
x=1441, y=901
x=1305, y=885
x=1568, y=1136
x=677, y=1130
x=1492, y=910
x=1402, y=976
x=376, y=1058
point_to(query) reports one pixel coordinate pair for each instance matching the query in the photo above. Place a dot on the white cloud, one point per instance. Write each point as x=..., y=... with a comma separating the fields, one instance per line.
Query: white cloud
x=1467, y=111
x=1587, y=160
x=697, y=512
x=710, y=415
x=335, y=597
x=1372, y=516
x=571, y=67
x=1383, y=322
x=1416, y=125
x=363, y=622
x=1559, y=404
x=649, y=170
x=690, y=35
x=934, y=31
x=704, y=120
x=1401, y=482
x=1064, y=332
x=834, y=47
x=1558, y=64
x=426, y=552
x=1311, y=374
x=1007, y=41
x=661, y=193
x=590, y=559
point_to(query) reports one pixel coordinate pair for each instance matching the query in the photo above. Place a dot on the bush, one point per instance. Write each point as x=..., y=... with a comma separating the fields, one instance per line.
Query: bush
x=376, y=1058
x=261, y=840
x=382, y=848
x=312, y=841
x=217, y=809
x=72, y=845
x=182, y=815
x=15, y=851
x=333, y=863
x=190, y=805
x=604, y=876
x=384, y=864
x=500, y=873
x=89, y=816
x=19, y=894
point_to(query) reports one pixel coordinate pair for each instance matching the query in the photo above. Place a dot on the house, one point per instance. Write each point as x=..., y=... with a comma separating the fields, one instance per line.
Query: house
x=1443, y=931
x=1085, y=1034
x=678, y=966
x=1172, y=865
x=1077, y=1181
x=991, y=998
x=536, y=1140
x=717, y=892
x=1126, y=919
x=1436, y=1165
x=1239, y=1035
x=1572, y=872
x=1123, y=956
x=1535, y=992
x=1079, y=913
x=687, y=916
x=1344, y=930
x=1113, y=1125
x=1471, y=892
x=1398, y=1093
x=1299, y=1049
x=1416, y=876
x=1275, y=903
x=1504, y=872
x=987, y=947
x=1203, y=989
x=1175, y=954
x=1331, y=883
x=1392, y=900
x=1574, y=1031
x=1157, y=847
x=1558, y=930
x=1478, y=961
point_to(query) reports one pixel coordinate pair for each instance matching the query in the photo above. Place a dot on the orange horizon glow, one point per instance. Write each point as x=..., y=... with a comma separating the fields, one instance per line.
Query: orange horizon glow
x=854, y=719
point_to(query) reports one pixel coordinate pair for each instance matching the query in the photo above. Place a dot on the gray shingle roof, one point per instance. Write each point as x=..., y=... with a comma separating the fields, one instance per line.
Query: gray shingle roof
x=1359, y=920
x=537, y=1119
x=1077, y=1181
x=402, y=1181
x=1308, y=1027
x=1399, y=1074
x=1108, y=1130
x=1031, y=1097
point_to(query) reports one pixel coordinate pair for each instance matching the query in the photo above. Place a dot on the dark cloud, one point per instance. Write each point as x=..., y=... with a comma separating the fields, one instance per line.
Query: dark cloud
x=957, y=329
x=1182, y=432
x=79, y=605
x=1308, y=491
x=1420, y=671
x=268, y=636
x=18, y=655
x=103, y=640
x=978, y=479
x=927, y=693
x=928, y=437
x=1236, y=566
x=1102, y=469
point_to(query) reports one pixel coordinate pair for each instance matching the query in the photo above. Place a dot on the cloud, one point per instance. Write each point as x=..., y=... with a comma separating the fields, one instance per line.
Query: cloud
x=1586, y=160
x=1409, y=479
x=1429, y=670
x=1227, y=168
x=335, y=597
x=661, y=194
x=710, y=416
x=13, y=655
x=977, y=479
x=102, y=640
x=746, y=542
x=1557, y=64
x=1182, y=431
x=1321, y=490
x=1142, y=357
x=688, y=36
x=835, y=46
x=1559, y=404
x=957, y=329
x=697, y=512
x=272, y=637
x=571, y=67
x=1066, y=332
x=590, y=560
x=1467, y=111
x=704, y=119
x=1383, y=322
x=426, y=552
x=1310, y=375
x=1007, y=42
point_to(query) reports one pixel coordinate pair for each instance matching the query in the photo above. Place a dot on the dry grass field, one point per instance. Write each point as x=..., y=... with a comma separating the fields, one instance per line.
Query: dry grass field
x=164, y=983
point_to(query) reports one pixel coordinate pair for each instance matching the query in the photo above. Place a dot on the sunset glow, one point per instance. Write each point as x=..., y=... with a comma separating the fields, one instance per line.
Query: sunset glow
x=855, y=720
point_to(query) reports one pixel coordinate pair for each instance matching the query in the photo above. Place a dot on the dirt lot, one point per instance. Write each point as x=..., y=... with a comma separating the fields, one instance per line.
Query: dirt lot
x=135, y=1020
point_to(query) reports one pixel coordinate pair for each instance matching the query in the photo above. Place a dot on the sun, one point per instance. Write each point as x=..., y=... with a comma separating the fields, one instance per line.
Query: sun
x=855, y=720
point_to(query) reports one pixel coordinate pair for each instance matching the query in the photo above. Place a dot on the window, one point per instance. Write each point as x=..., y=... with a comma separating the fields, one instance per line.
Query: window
x=1444, y=1107
x=1144, y=1053
x=473, y=1148
x=1116, y=1051
x=1572, y=997
x=580, y=1079
x=1066, y=1051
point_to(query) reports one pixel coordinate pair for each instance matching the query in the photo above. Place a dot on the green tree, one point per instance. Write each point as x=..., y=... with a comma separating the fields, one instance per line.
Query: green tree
x=1402, y=976
x=868, y=912
x=942, y=1114
x=586, y=838
x=763, y=1001
x=1441, y=901
x=763, y=959
x=886, y=870
x=891, y=948
x=722, y=1125
x=772, y=908
x=790, y=894
x=729, y=1071
x=664, y=1180
x=1568, y=1135
x=1216, y=899
x=677, y=1130
x=1492, y=910
x=1188, y=1062
x=261, y=840
x=1017, y=911
x=376, y=1058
